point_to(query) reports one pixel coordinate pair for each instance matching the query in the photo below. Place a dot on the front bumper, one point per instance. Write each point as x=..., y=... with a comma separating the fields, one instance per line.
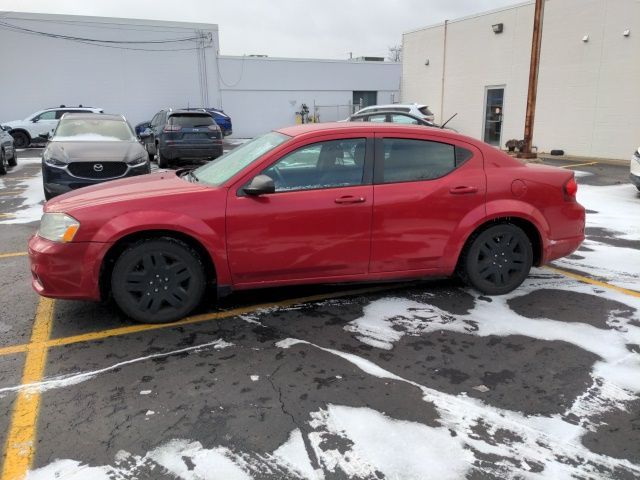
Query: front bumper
x=58, y=180
x=66, y=270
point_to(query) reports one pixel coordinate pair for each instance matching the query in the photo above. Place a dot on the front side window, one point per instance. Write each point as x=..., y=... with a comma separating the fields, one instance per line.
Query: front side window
x=50, y=115
x=407, y=160
x=336, y=163
x=403, y=119
x=379, y=118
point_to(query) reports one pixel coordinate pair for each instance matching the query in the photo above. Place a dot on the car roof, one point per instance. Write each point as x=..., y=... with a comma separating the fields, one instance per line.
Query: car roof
x=395, y=105
x=368, y=127
x=93, y=116
x=384, y=111
x=71, y=108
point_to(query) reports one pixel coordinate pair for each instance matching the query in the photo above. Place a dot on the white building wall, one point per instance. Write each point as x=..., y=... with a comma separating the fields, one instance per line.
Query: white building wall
x=39, y=72
x=588, y=93
x=261, y=94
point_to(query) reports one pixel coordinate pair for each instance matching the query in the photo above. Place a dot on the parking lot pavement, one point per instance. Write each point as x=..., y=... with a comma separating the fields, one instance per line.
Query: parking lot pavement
x=417, y=380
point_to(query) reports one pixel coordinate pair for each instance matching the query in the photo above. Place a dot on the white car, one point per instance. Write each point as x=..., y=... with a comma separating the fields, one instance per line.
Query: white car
x=421, y=111
x=635, y=169
x=40, y=123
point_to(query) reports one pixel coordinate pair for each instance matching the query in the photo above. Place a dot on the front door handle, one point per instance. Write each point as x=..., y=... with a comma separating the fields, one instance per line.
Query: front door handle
x=462, y=189
x=350, y=199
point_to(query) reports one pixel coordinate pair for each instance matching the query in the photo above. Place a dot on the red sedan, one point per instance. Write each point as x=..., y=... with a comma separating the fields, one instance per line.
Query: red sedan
x=308, y=204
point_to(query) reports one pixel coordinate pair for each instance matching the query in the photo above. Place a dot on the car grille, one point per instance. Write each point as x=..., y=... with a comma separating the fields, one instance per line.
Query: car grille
x=97, y=169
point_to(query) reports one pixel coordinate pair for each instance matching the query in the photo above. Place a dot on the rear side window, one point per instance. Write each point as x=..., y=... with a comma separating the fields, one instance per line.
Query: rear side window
x=380, y=118
x=407, y=160
x=397, y=118
x=191, y=121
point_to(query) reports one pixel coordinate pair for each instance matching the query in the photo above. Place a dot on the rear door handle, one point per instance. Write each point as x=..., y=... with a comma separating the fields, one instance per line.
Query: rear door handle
x=350, y=199
x=462, y=189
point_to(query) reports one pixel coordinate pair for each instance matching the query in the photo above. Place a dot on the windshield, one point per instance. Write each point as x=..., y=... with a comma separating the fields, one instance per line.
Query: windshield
x=225, y=167
x=90, y=130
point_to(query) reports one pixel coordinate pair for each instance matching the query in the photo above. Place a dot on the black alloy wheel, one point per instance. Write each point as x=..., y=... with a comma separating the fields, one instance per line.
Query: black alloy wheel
x=158, y=280
x=497, y=260
x=14, y=160
x=20, y=140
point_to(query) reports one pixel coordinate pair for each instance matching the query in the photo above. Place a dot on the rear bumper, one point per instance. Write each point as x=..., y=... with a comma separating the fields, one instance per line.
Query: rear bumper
x=66, y=270
x=175, y=151
x=561, y=248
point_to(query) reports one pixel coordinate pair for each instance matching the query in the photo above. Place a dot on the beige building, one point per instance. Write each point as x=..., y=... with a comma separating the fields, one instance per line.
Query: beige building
x=589, y=79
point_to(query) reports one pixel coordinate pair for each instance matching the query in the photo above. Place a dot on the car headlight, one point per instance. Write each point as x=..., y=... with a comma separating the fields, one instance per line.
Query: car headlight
x=58, y=227
x=138, y=160
x=51, y=160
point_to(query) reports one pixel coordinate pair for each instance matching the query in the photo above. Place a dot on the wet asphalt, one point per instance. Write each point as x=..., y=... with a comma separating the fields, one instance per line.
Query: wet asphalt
x=251, y=394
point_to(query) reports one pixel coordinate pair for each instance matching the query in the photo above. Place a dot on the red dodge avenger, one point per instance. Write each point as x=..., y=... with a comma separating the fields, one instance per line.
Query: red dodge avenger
x=321, y=203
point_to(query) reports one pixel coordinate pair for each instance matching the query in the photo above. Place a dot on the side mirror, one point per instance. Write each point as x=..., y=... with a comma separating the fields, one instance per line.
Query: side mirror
x=260, y=185
x=35, y=120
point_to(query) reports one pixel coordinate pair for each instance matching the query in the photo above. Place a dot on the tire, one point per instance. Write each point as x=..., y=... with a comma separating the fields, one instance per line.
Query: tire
x=48, y=195
x=20, y=140
x=14, y=160
x=151, y=155
x=158, y=280
x=162, y=161
x=4, y=164
x=497, y=260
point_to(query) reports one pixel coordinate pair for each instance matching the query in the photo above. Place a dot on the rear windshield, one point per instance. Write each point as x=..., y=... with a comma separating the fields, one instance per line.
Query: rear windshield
x=190, y=120
x=90, y=130
x=425, y=111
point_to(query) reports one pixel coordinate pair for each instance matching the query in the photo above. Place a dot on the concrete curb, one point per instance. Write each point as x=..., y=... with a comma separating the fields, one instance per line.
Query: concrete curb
x=576, y=159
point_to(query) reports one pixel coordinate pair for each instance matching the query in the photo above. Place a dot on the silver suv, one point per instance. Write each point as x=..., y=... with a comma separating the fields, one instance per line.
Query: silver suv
x=40, y=123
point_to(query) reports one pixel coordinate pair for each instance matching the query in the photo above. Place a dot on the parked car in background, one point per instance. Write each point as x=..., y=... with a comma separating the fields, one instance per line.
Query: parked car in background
x=42, y=122
x=420, y=111
x=182, y=134
x=222, y=119
x=8, y=154
x=141, y=127
x=393, y=117
x=87, y=149
x=318, y=203
x=635, y=169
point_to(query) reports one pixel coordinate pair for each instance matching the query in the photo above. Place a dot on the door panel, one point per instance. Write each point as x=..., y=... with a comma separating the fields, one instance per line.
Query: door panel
x=413, y=221
x=314, y=226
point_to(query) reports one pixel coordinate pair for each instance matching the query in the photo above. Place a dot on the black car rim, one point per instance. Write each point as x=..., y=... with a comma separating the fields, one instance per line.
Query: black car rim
x=501, y=258
x=159, y=282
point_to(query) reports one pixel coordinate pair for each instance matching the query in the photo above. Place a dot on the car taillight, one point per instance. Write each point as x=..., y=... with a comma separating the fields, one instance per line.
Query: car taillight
x=213, y=128
x=570, y=189
x=172, y=128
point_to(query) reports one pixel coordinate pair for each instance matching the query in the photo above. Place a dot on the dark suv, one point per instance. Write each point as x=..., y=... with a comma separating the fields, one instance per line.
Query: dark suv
x=182, y=134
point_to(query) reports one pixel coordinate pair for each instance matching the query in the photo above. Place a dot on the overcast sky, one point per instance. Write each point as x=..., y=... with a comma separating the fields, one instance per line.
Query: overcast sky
x=286, y=28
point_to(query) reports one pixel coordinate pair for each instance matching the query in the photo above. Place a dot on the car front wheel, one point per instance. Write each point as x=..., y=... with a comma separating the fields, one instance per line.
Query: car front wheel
x=158, y=280
x=4, y=165
x=20, y=140
x=163, y=162
x=14, y=160
x=497, y=260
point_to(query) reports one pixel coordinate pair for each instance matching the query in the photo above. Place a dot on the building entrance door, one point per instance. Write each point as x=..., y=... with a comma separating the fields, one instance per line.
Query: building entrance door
x=493, y=112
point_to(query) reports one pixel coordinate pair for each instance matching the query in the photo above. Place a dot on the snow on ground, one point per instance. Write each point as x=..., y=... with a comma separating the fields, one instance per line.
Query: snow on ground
x=615, y=212
x=32, y=196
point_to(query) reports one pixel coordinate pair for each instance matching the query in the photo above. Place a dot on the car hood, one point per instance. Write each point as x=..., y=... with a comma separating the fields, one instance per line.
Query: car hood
x=95, y=151
x=13, y=123
x=127, y=190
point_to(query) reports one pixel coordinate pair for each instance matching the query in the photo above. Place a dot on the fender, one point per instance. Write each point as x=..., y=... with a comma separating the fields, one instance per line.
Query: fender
x=210, y=237
x=494, y=210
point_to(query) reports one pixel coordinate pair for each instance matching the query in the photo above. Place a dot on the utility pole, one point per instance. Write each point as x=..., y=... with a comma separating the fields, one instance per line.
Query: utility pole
x=536, y=43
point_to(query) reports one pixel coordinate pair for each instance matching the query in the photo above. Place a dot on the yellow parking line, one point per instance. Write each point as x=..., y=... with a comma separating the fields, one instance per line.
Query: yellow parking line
x=15, y=254
x=7, y=215
x=205, y=317
x=579, y=165
x=592, y=281
x=20, y=445
x=12, y=192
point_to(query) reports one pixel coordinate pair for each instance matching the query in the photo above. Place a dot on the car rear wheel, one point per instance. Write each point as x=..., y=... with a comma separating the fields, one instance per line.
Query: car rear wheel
x=14, y=160
x=158, y=280
x=20, y=140
x=497, y=260
x=162, y=161
x=4, y=165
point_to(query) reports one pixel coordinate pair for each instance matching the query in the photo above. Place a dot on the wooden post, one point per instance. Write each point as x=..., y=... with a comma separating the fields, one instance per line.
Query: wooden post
x=536, y=43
